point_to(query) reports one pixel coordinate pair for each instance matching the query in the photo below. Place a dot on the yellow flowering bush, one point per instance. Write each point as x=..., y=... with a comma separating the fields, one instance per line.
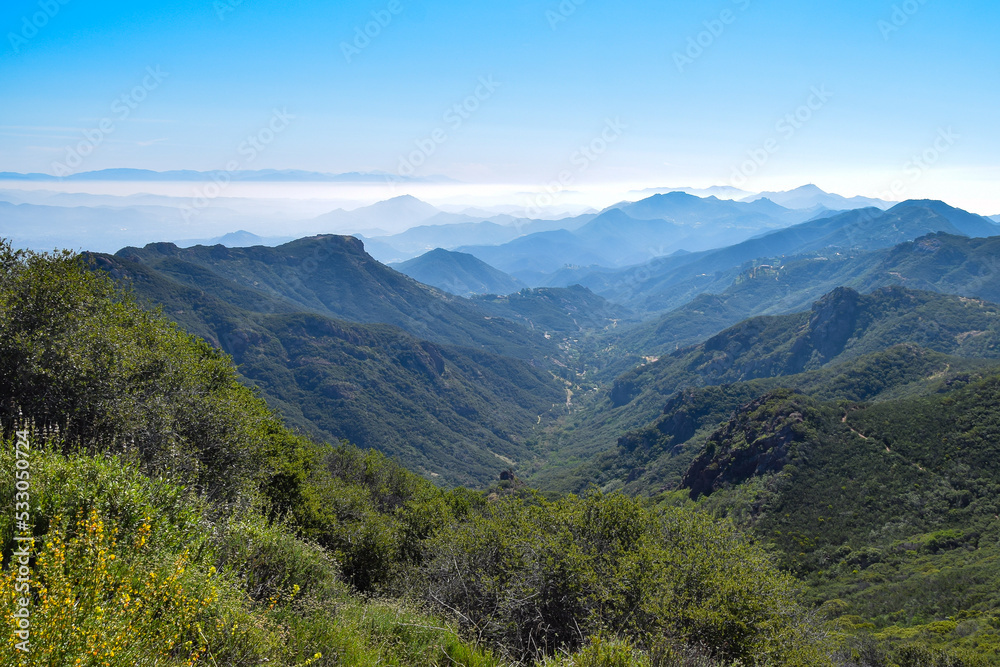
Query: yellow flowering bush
x=92, y=608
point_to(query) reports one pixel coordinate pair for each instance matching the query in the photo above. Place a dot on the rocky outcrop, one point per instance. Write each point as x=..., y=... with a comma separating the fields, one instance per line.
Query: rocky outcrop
x=760, y=439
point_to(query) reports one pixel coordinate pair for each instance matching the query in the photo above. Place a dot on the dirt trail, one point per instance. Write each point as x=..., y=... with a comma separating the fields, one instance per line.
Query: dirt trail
x=858, y=433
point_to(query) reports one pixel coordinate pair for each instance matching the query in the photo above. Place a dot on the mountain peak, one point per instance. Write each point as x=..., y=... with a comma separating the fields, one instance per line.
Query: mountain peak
x=458, y=273
x=406, y=200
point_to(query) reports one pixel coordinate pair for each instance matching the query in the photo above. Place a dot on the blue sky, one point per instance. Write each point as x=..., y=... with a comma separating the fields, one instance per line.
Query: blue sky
x=894, y=77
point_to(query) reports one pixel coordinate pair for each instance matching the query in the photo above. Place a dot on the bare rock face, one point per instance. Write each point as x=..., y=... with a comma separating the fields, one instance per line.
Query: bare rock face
x=760, y=439
x=833, y=322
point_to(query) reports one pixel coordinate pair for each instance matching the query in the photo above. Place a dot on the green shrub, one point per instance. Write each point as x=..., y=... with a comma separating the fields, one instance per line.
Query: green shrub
x=540, y=577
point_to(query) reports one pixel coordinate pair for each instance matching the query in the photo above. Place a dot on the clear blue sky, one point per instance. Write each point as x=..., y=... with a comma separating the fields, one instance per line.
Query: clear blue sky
x=229, y=64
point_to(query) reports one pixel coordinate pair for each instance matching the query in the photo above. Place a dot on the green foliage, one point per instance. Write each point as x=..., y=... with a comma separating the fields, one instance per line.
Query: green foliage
x=155, y=575
x=570, y=310
x=446, y=412
x=841, y=327
x=653, y=459
x=76, y=356
x=158, y=456
x=889, y=508
x=540, y=577
x=333, y=276
x=601, y=653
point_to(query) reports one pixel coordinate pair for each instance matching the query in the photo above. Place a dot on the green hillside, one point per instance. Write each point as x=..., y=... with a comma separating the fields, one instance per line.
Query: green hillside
x=458, y=273
x=177, y=522
x=888, y=510
x=842, y=325
x=457, y=415
x=771, y=285
x=333, y=276
x=875, y=479
x=568, y=310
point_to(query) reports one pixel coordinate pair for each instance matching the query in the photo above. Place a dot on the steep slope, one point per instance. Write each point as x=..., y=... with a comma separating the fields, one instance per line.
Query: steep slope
x=754, y=290
x=841, y=326
x=943, y=263
x=333, y=276
x=569, y=310
x=888, y=509
x=455, y=414
x=939, y=262
x=667, y=283
x=654, y=458
x=458, y=273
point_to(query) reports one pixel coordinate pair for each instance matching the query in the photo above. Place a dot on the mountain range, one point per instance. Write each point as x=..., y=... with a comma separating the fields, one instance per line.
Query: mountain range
x=333, y=276
x=668, y=282
x=253, y=175
x=633, y=233
x=811, y=196
x=458, y=273
x=828, y=380
x=371, y=384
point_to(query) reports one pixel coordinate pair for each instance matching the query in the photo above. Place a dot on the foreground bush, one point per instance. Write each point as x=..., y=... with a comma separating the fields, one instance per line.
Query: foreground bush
x=131, y=571
x=541, y=577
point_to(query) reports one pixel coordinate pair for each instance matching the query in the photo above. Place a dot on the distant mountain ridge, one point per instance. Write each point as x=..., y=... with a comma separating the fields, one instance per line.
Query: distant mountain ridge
x=669, y=282
x=633, y=232
x=811, y=196
x=251, y=175
x=405, y=211
x=720, y=191
x=238, y=239
x=458, y=273
x=842, y=324
x=943, y=263
x=334, y=276
x=454, y=414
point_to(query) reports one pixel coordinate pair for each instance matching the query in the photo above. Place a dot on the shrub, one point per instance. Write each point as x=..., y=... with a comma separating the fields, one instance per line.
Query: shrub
x=541, y=577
